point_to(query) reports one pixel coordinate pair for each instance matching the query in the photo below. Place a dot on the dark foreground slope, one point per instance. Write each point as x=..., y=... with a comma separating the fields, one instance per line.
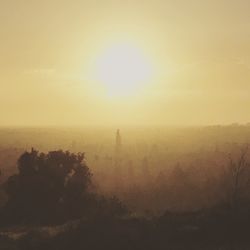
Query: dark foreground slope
x=210, y=230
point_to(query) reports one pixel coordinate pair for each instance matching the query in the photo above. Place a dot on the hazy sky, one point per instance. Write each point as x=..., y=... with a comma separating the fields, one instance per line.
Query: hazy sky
x=199, y=50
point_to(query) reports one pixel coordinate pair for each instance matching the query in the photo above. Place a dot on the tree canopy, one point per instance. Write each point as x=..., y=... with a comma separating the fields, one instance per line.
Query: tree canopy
x=48, y=185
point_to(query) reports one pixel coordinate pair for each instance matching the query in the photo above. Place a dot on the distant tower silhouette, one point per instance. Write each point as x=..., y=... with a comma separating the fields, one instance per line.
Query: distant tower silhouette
x=118, y=142
x=118, y=146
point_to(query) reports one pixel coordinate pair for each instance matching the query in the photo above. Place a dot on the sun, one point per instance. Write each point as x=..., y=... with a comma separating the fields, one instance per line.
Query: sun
x=123, y=69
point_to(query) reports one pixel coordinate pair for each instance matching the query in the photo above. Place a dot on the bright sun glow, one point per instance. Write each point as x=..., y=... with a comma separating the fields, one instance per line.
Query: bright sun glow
x=123, y=69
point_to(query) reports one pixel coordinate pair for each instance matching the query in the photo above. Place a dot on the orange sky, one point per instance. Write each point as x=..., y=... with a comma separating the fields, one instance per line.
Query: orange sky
x=200, y=52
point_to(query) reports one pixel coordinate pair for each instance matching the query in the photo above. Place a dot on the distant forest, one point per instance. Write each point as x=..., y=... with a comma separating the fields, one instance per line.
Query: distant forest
x=175, y=188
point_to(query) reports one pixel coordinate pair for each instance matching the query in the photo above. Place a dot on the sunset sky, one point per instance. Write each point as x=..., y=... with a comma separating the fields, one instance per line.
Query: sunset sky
x=130, y=62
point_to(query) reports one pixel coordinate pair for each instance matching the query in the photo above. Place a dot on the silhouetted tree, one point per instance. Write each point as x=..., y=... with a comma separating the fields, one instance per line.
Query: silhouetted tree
x=44, y=184
x=237, y=168
x=55, y=187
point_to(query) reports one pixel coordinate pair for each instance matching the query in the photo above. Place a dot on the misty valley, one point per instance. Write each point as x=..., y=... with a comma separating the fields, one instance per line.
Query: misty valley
x=129, y=188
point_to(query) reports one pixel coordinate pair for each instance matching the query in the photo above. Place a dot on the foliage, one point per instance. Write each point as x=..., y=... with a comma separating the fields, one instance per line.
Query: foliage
x=47, y=185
